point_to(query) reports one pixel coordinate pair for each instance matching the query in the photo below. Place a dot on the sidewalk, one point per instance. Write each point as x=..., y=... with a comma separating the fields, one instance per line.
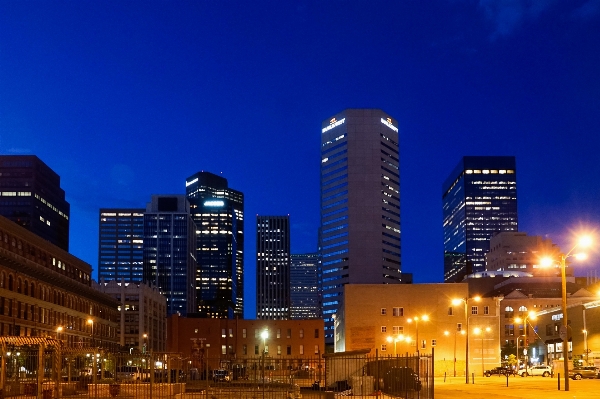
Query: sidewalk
x=518, y=387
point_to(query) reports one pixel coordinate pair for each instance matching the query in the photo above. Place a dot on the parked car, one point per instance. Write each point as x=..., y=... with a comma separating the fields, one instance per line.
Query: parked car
x=129, y=373
x=499, y=371
x=401, y=379
x=583, y=372
x=542, y=370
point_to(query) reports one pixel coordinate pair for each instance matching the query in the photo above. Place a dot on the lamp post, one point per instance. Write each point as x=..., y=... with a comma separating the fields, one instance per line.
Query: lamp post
x=583, y=242
x=91, y=322
x=465, y=302
x=145, y=336
x=264, y=335
x=416, y=320
x=532, y=316
x=479, y=331
x=446, y=333
x=58, y=331
x=334, y=317
x=396, y=339
x=585, y=347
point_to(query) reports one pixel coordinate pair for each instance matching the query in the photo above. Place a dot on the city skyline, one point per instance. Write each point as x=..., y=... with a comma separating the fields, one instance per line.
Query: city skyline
x=123, y=102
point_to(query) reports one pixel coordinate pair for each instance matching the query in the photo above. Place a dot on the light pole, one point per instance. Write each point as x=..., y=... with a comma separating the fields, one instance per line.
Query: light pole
x=396, y=339
x=264, y=335
x=91, y=322
x=585, y=347
x=416, y=320
x=532, y=316
x=145, y=336
x=479, y=331
x=465, y=302
x=446, y=333
x=334, y=317
x=583, y=242
x=58, y=331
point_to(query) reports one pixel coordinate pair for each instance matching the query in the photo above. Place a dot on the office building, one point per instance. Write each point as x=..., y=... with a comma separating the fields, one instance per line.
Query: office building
x=516, y=251
x=219, y=215
x=142, y=315
x=30, y=195
x=120, y=248
x=304, y=284
x=273, y=267
x=47, y=292
x=479, y=200
x=169, y=251
x=359, y=237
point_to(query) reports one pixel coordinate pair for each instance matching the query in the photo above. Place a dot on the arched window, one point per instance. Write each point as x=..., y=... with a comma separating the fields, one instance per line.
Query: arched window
x=26, y=287
x=2, y=278
x=19, y=284
x=508, y=312
x=32, y=290
x=10, y=282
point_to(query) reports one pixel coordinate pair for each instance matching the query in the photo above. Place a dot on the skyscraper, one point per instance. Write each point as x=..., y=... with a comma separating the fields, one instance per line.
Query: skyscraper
x=30, y=195
x=360, y=235
x=304, y=284
x=273, y=267
x=479, y=199
x=169, y=250
x=121, y=242
x=219, y=215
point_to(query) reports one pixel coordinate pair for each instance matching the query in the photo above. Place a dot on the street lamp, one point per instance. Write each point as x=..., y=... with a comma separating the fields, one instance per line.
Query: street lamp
x=583, y=242
x=91, y=322
x=465, y=301
x=416, y=320
x=264, y=335
x=58, y=331
x=479, y=331
x=145, y=336
x=532, y=316
x=446, y=333
x=398, y=338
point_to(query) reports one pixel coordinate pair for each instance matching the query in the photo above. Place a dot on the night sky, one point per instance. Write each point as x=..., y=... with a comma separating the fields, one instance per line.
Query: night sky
x=126, y=99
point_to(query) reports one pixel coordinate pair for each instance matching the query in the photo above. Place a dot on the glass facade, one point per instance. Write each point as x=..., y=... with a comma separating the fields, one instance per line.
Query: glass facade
x=218, y=212
x=273, y=267
x=169, y=243
x=121, y=252
x=479, y=200
x=304, y=295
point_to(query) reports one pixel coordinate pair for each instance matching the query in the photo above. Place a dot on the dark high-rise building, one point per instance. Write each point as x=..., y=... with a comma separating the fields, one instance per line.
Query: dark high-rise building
x=359, y=237
x=273, y=267
x=219, y=215
x=304, y=284
x=479, y=199
x=169, y=251
x=120, y=247
x=30, y=195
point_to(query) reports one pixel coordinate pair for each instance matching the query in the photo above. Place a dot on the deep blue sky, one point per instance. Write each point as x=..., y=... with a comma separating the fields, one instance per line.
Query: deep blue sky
x=126, y=99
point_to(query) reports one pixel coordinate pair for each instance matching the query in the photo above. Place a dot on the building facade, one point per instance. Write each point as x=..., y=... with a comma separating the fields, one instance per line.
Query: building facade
x=169, y=251
x=30, y=195
x=121, y=245
x=360, y=234
x=479, y=199
x=46, y=292
x=273, y=267
x=399, y=320
x=226, y=343
x=304, y=286
x=516, y=251
x=142, y=315
x=218, y=212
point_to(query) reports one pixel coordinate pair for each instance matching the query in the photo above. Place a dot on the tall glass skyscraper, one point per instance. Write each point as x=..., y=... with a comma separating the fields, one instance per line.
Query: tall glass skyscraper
x=30, y=195
x=121, y=244
x=218, y=212
x=273, y=267
x=360, y=235
x=479, y=199
x=304, y=284
x=169, y=251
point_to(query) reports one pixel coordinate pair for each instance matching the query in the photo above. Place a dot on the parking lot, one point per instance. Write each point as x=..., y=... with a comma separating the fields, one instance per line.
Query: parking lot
x=518, y=387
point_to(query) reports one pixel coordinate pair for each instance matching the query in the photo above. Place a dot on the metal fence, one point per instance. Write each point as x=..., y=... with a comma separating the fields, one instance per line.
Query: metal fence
x=47, y=371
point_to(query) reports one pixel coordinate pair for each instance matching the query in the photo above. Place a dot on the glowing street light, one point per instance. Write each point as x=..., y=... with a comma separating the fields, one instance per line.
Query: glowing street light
x=416, y=320
x=447, y=333
x=479, y=331
x=465, y=301
x=396, y=339
x=91, y=322
x=583, y=242
x=532, y=316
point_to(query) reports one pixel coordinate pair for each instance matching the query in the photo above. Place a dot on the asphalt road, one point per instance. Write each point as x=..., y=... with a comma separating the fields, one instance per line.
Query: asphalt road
x=494, y=387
